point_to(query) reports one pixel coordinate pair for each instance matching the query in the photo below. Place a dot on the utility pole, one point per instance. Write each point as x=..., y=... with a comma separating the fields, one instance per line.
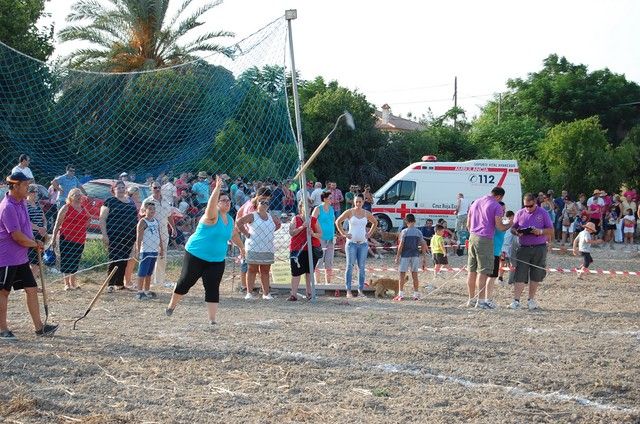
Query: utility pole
x=290, y=15
x=455, y=101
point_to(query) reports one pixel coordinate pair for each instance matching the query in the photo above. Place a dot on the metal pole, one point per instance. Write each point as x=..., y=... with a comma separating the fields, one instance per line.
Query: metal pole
x=290, y=15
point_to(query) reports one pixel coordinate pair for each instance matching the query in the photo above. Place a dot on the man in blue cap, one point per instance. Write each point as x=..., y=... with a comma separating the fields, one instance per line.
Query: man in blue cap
x=16, y=237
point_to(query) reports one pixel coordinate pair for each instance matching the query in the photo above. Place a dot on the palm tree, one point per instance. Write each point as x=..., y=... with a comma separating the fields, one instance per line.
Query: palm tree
x=129, y=35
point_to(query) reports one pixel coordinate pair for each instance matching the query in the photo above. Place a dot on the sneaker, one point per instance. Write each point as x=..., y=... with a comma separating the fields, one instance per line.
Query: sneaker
x=398, y=298
x=168, y=312
x=515, y=304
x=150, y=294
x=110, y=289
x=532, y=304
x=361, y=294
x=141, y=296
x=292, y=298
x=483, y=304
x=212, y=323
x=267, y=296
x=492, y=303
x=416, y=296
x=8, y=336
x=249, y=296
x=47, y=330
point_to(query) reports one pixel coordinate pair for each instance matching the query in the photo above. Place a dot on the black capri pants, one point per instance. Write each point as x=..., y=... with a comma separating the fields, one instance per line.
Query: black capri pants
x=194, y=268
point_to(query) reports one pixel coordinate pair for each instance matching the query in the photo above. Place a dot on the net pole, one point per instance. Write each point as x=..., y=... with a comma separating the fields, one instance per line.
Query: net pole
x=290, y=15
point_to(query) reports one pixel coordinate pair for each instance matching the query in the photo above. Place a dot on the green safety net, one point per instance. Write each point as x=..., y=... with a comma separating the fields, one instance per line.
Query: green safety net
x=215, y=115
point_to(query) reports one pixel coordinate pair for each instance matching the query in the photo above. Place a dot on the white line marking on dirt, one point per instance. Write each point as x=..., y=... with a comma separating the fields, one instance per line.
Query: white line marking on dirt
x=418, y=372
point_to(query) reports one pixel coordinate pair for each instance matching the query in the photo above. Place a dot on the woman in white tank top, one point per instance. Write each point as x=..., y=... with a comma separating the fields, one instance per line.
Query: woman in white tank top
x=259, y=228
x=357, y=246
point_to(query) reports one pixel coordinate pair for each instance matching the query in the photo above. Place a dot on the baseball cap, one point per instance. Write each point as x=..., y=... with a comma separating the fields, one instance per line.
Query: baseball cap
x=33, y=188
x=17, y=177
x=202, y=174
x=124, y=174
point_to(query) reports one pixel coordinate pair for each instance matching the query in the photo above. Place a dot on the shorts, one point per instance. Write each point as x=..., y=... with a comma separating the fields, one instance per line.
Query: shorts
x=244, y=266
x=609, y=227
x=194, y=268
x=16, y=277
x=300, y=262
x=480, y=254
x=259, y=258
x=586, y=259
x=440, y=259
x=410, y=264
x=328, y=246
x=496, y=267
x=627, y=230
x=147, y=264
x=527, y=256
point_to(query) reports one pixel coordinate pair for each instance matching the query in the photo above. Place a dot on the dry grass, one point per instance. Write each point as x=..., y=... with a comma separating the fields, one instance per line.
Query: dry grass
x=371, y=361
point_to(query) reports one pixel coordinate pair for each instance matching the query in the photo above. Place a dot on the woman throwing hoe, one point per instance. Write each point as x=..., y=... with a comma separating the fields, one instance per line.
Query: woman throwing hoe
x=205, y=253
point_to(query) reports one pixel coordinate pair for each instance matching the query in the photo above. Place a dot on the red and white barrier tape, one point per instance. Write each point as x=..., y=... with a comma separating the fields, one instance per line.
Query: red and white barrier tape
x=558, y=270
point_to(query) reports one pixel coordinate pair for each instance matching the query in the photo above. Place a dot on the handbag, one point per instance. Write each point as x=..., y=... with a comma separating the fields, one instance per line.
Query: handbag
x=49, y=257
x=317, y=252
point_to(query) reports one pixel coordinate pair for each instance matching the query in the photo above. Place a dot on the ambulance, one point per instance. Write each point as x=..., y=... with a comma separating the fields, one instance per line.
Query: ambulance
x=429, y=189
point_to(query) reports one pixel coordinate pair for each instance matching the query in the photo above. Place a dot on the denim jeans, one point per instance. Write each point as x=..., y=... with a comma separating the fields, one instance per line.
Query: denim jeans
x=356, y=253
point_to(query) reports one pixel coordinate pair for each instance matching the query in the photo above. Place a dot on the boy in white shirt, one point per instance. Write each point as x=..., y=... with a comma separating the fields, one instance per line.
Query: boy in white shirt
x=583, y=243
x=149, y=246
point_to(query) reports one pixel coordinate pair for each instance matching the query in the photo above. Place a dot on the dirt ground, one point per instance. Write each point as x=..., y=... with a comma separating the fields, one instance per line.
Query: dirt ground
x=575, y=360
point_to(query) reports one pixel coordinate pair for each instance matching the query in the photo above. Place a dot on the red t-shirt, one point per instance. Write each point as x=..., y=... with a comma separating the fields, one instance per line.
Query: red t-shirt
x=299, y=241
x=596, y=210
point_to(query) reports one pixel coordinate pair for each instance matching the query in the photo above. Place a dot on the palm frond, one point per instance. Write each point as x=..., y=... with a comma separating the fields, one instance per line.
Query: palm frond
x=192, y=21
x=86, y=9
x=208, y=37
x=96, y=36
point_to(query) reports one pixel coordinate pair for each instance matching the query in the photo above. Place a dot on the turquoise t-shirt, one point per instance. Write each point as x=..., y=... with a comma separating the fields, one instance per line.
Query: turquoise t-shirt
x=498, y=241
x=201, y=189
x=209, y=242
x=327, y=221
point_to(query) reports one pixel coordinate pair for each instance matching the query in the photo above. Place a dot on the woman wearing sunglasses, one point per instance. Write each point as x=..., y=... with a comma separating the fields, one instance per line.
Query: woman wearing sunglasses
x=259, y=228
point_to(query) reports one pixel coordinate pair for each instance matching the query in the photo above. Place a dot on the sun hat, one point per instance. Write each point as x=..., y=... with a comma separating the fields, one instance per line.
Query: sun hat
x=202, y=174
x=590, y=226
x=17, y=177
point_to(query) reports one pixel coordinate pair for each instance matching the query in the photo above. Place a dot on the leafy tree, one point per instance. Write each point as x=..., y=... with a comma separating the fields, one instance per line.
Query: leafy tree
x=129, y=35
x=18, y=29
x=20, y=74
x=512, y=138
x=578, y=157
x=350, y=156
x=564, y=92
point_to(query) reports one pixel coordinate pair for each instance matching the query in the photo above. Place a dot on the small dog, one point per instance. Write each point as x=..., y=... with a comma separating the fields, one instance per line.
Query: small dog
x=383, y=284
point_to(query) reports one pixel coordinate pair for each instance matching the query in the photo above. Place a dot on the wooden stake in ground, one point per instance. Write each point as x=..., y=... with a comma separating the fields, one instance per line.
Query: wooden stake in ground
x=45, y=300
x=102, y=287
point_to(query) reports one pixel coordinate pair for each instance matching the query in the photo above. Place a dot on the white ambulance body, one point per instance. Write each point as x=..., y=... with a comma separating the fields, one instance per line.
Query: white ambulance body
x=429, y=190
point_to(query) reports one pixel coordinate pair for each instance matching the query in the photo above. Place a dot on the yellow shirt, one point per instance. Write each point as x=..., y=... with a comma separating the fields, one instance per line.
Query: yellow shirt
x=437, y=244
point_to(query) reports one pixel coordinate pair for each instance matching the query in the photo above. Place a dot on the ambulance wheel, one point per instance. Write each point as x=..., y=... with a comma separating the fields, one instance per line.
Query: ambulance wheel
x=384, y=223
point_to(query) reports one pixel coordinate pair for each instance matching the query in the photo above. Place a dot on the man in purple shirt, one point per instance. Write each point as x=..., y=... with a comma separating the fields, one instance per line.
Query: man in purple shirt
x=484, y=216
x=534, y=228
x=16, y=237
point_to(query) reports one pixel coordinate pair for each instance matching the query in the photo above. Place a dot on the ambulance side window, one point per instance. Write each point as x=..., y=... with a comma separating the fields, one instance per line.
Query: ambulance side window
x=401, y=190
